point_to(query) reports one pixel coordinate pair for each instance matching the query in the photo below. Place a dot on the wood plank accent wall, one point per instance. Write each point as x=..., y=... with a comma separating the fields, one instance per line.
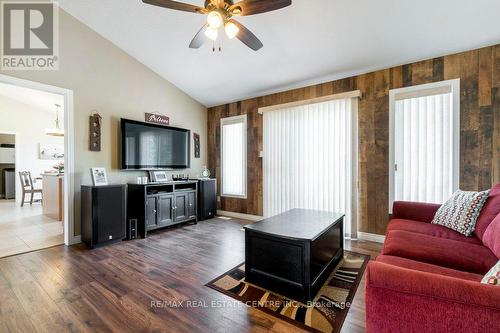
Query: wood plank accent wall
x=479, y=71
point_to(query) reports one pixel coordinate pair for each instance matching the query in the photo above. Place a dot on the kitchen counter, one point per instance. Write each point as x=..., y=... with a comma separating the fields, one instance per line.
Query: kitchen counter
x=53, y=195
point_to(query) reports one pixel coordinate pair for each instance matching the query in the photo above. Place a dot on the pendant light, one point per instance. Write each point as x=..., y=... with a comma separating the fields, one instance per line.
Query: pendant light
x=57, y=131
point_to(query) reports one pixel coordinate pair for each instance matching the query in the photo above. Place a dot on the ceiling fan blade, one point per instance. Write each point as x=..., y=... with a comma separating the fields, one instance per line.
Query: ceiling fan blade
x=175, y=5
x=247, y=37
x=199, y=39
x=252, y=7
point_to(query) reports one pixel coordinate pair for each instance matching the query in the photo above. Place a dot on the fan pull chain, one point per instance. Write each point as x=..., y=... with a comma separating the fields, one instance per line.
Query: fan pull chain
x=214, y=48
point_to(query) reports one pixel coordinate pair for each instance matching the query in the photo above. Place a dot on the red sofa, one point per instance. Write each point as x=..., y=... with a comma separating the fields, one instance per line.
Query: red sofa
x=427, y=278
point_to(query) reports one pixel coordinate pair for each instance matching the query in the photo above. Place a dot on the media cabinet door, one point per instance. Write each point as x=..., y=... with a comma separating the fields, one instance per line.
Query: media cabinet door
x=151, y=219
x=191, y=205
x=181, y=205
x=165, y=204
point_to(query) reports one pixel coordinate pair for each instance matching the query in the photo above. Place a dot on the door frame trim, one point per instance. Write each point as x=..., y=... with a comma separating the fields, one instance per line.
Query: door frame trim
x=453, y=86
x=69, y=149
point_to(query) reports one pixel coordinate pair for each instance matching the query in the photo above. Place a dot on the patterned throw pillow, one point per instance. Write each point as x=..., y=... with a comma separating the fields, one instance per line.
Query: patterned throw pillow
x=493, y=276
x=461, y=211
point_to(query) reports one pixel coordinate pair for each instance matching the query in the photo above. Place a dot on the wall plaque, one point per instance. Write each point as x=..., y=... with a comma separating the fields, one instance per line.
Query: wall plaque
x=196, y=138
x=95, y=132
x=157, y=119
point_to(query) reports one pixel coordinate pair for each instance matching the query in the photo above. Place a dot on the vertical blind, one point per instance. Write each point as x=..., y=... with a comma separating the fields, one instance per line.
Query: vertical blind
x=233, y=143
x=307, y=158
x=423, y=148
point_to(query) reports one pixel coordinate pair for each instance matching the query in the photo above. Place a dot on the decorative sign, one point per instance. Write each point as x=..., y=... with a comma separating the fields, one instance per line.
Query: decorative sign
x=196, y=138
x=157, y=119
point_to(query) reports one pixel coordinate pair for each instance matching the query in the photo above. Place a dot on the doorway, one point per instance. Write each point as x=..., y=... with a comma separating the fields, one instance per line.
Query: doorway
x=40, y=214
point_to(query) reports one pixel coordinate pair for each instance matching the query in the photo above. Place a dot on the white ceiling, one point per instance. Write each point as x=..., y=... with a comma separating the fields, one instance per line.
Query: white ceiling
x=310, y=42
x=41, y=100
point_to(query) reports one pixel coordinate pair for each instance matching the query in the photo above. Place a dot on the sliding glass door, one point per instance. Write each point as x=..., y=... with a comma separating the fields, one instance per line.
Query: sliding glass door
x=308, y=158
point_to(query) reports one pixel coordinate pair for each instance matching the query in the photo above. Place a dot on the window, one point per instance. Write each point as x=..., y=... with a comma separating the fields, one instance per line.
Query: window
x=424, y=142
x=310, y=158
x=234, y=156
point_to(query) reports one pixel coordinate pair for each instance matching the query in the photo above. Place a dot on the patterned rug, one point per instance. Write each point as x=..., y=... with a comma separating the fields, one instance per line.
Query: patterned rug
x=327, y=311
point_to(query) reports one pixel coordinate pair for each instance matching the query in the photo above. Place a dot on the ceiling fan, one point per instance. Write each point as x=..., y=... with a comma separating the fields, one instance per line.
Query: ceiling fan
x=220, y=13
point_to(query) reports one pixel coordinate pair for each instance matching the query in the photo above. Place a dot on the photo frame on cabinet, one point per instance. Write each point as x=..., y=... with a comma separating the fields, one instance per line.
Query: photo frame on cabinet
x=99, y=177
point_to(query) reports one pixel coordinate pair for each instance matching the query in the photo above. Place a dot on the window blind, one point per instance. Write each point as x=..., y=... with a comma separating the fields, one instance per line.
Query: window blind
x=233, y=147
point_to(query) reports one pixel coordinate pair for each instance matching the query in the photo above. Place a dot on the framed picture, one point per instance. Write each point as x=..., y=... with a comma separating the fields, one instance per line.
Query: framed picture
x=51, y=151
x=158, y=176
x=99, y=177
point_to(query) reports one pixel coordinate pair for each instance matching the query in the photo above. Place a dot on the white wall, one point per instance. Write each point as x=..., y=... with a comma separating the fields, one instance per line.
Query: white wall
x=28, y=124
x=106, y=79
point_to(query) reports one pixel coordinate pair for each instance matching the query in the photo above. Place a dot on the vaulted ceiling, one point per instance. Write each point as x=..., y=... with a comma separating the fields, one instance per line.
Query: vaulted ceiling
x=310, y=42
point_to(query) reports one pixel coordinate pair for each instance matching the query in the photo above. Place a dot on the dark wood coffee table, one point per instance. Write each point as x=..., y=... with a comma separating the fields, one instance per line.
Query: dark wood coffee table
x=294, y=253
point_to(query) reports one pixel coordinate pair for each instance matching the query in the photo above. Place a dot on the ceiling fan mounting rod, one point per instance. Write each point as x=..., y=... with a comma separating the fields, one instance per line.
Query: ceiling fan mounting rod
x=219, y=3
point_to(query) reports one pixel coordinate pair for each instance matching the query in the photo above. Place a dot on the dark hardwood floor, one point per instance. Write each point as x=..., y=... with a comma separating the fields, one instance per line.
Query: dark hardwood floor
x=73, y=289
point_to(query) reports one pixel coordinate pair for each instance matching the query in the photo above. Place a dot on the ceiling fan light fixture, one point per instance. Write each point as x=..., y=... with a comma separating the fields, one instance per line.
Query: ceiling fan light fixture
x=231, y=30
x=219, y=14
x=214, y=19
x=212, y=33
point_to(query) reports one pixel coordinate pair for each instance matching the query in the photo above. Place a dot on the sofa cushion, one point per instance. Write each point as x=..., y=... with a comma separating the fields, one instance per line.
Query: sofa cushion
x=439, y=251
x=490, y=209
x=429, y=268
x=431, y=230
x=461, y=211
x=493, y=276
x=416, y=211
x=491, y=237
x=405, y=300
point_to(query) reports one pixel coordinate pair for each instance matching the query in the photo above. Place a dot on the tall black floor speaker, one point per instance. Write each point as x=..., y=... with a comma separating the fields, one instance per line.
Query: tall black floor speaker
x=103, y=214
x=207, y=199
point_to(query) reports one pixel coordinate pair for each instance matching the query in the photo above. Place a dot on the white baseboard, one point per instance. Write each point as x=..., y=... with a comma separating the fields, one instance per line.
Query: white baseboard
x=240, y=215
x=76, y=240
x=371, y=237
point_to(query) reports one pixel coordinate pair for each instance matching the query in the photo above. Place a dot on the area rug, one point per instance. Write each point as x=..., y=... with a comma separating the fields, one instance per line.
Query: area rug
x=327, y=311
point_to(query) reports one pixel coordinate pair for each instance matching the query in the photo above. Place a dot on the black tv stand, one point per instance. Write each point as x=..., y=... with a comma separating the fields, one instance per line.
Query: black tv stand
x=159, y=205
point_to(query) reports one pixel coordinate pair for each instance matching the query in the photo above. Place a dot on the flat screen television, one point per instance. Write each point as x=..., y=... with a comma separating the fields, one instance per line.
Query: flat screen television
x=153, y=147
